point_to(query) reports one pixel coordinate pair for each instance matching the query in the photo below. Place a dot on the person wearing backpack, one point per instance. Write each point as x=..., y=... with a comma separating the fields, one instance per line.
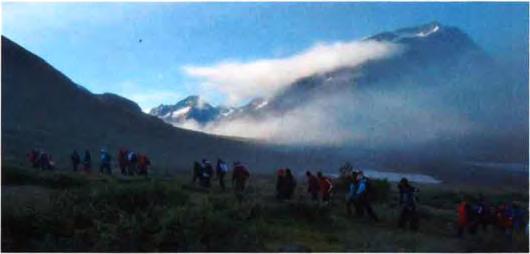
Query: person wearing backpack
x=196, y=172
x=313, y=186
x=222, y=169
x=482, y=214
x=407, y=201
x=33, y=158
x=289, y=185
x=76, y=160
x=326, y=187
x=240, y=176
x=361, y=198
x=44, y=161
x=132, y=159
x=122, y=161
x=105, y=160
x=87, y=161
x=143, y=164
x=280, y=182
x=463, y=211
x=206, y=173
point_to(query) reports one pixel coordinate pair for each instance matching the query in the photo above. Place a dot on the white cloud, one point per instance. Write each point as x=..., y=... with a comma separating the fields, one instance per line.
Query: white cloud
x=244, y=80
x=372, y=117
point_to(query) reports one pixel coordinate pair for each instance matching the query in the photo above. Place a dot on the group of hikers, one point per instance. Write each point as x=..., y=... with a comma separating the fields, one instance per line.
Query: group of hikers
x=130, y=163
x=204, y=172
x=472, y=216
x=507, y=217
x=39, y=158
x=360, y=194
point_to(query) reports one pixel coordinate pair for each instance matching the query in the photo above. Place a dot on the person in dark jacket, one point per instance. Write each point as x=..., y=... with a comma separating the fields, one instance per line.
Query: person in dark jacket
x=122, y=161
x=287, y=186
x=407, y=201
x=482, y=217
x=221, y=170
x=313, y=186
x=132, y=162
x=196, y=171
x=280, y=182
x=206, y=173
x=76, y=160
x=105, y=161
x=87, y=161
x=44, y=161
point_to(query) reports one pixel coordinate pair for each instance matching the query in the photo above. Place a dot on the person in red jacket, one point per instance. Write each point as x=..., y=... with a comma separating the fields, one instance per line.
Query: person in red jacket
x=239, y=179
x=463, y=211
x=143, y=164
x=326, y=187
x=313, y=185
x=122, y=161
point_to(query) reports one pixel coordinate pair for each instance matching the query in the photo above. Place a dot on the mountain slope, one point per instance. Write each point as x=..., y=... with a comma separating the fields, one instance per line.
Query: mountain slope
x=43, y=108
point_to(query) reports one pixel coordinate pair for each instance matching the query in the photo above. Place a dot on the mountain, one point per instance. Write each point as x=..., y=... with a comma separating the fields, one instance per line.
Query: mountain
x=442, y=94
x=42, y=108
x=193, y=108
x=433, y=47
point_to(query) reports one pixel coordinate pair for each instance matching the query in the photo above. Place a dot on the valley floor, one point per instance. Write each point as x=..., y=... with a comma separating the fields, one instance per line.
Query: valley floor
x=57, y=211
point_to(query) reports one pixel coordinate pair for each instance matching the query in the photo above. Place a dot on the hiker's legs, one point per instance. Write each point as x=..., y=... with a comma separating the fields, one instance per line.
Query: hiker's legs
x=370, y=211
x=349, y=204
x=403, y=217
x=222, y=181
x=461, y=230
x=414, y=220
x=314, y=196
x=359, y=211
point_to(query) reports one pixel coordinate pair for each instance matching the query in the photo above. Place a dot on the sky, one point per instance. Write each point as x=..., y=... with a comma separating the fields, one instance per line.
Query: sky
x=154, y=53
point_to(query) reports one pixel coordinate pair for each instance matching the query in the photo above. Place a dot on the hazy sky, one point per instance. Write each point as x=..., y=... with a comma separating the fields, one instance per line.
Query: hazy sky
x=98, y=44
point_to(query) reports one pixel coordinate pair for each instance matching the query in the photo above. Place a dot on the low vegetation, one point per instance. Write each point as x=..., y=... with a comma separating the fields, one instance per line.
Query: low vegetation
x=54, y=211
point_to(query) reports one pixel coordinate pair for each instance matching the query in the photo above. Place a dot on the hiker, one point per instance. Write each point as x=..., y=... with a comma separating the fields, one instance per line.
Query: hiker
x=289, y=185
x=519, y=215
x=239, y=178
x=44, y=161
x=326, y=187
x=143, y=164
x=221, y=170
x=132, y=161
x=206, y=173
x=280, y=179
x=463, y=216
x=196, y=171
x=105, y=159
x=33, y=158
x=122, y=161
x=313, y=186
x=482, y=216
x=76, y=160
x=51, y=163
x=360, y=191
x=407, y=200
x=87, y=161
x=504, y=216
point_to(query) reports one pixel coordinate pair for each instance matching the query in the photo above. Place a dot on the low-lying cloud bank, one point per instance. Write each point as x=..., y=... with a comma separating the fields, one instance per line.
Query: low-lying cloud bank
x=263, y=78
x=371, y=118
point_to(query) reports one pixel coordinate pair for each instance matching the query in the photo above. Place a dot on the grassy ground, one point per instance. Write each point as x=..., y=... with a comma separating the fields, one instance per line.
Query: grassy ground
x=54, y=211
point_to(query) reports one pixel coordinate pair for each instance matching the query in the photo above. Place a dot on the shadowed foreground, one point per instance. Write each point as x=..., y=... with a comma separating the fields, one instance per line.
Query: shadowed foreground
x=54, y=211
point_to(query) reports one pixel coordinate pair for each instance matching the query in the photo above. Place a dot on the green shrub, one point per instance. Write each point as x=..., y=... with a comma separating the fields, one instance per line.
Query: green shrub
x=53, y=179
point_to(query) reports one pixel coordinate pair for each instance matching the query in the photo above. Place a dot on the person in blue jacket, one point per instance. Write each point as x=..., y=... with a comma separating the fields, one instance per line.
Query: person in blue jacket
x=358, y=195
